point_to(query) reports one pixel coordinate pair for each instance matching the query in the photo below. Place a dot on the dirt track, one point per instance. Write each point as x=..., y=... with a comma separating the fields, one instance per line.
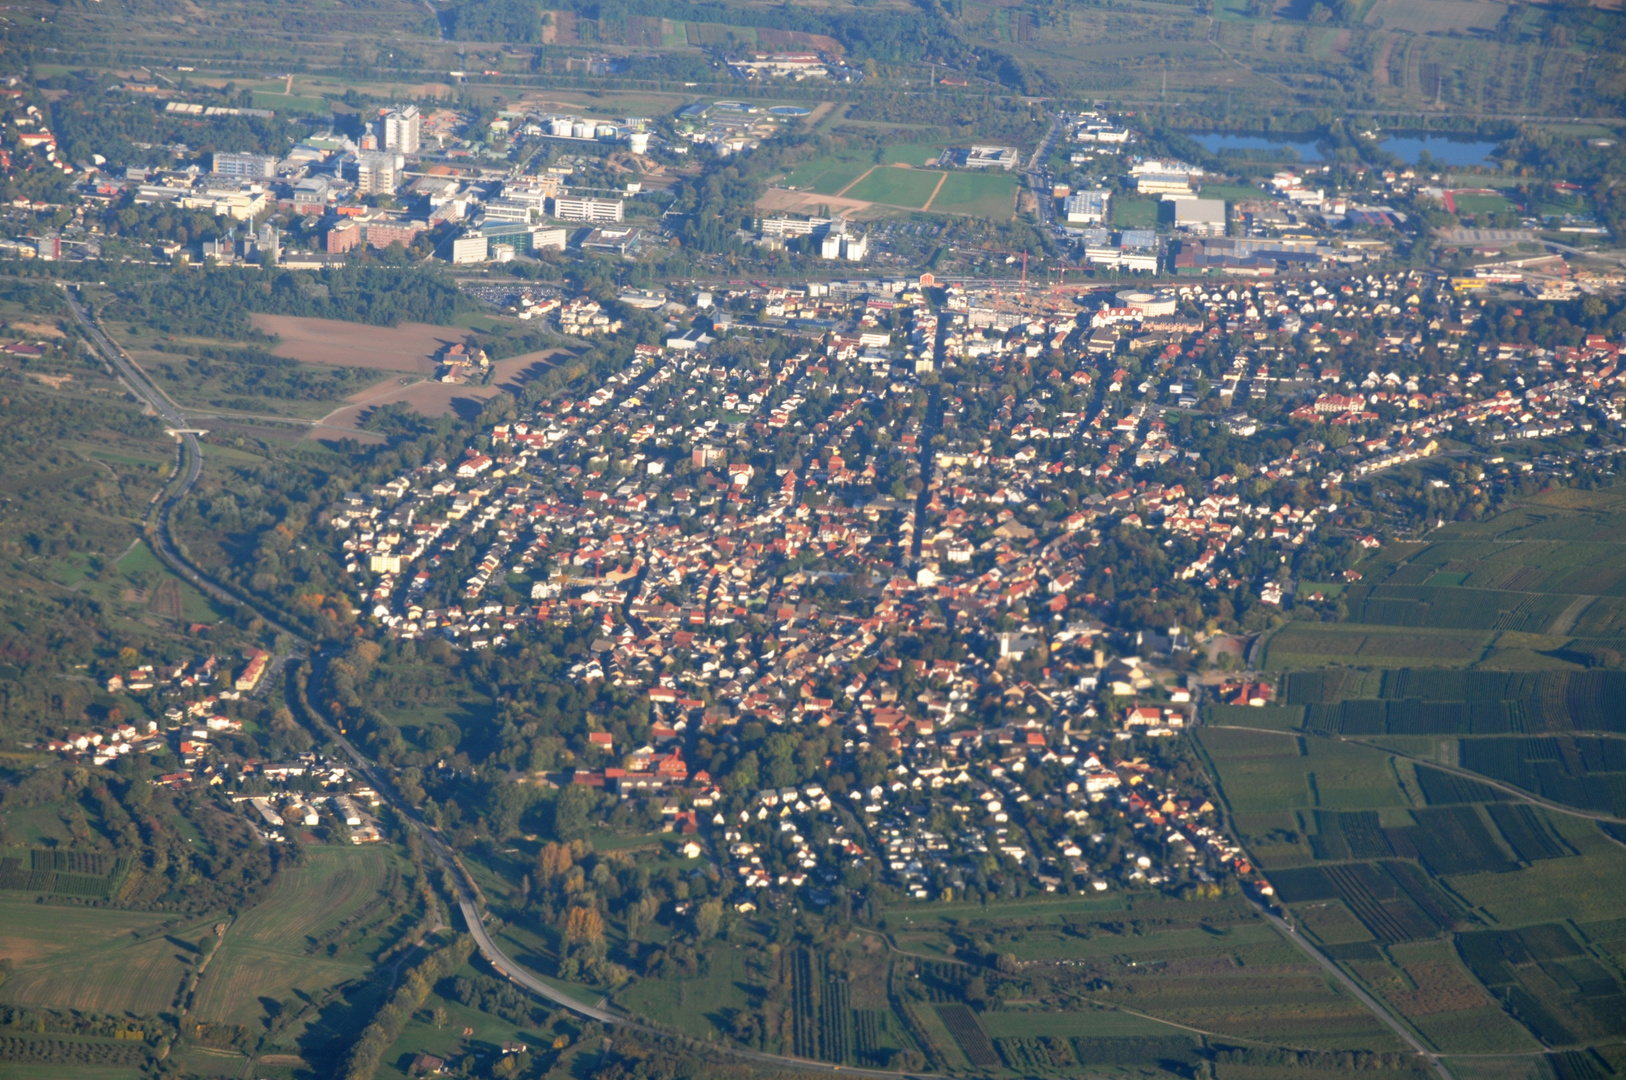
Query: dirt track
x=806, y=202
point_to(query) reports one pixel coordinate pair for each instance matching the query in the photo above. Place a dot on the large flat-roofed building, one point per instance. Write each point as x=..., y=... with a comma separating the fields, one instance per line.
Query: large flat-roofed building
x=244, y=166
x=1203, y=217
x=1086, y=207
x=581, y=208
x=981, y=157
x=524, y=238
x=508, y=210
x=470, y=248
x=1163, y=184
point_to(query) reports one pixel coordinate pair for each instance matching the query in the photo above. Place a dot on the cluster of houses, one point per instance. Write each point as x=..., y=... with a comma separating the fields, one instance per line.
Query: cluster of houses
x=273, y=813
x=954, y=811
x=190, y=674
x=648, y=506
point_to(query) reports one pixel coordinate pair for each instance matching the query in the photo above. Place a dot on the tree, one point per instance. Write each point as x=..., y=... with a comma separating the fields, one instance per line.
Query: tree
x=584, y=926
x=570, y=812
x=707, y=918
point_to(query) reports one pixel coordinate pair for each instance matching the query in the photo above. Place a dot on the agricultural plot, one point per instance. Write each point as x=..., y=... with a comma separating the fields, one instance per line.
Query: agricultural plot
x=281, y=947
x=968, y=1033
x=1428, y=985
x=98, y=959
x=1392, y=900
x=1257, y=772
x=62, y=873
x=1410, y=701
x=1583, y=888
x=1588, y=772
x=1310, y=645
x=1549, y=981
x=1454, y=608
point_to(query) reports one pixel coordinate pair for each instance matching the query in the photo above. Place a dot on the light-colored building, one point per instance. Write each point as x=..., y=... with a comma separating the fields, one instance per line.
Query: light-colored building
x=470, y=248
x=1163, y=184
x=244, y=166
x=402, y=128
x=241, y=204
x=377, y=173
x=1086, y=207
x=791, y=226
x=1203, y=217
x=506, y=209
x=982, y=157
x=581, y=208
x=838, y=243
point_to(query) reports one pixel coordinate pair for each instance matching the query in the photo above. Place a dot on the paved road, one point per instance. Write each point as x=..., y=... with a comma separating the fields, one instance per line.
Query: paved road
x=1376, y=1007
x=190, y=466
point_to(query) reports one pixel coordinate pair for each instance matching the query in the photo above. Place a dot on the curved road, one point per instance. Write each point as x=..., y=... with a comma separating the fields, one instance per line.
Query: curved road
x=143, y=388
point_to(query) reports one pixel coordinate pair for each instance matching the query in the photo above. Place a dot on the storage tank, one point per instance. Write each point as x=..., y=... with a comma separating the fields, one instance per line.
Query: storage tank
x=581, y=129
x=560, y=127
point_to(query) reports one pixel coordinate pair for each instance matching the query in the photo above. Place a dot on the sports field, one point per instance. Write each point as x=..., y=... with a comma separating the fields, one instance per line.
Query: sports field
x=1482, y=204
x=978, y=194
x=1134, y=213
x=897, y=186
x=826, y=175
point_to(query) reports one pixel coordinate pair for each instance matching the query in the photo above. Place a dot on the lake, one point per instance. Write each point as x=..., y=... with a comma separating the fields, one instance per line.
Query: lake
x=1442, y=148
x=1216, y=143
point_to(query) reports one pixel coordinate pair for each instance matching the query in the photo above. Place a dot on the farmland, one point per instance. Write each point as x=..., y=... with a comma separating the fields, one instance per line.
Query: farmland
x=289, y=945
x=1482, y=917
x=116, y=962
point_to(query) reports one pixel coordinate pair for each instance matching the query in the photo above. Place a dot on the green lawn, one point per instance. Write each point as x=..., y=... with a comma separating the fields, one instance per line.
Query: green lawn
x=421, y=1036
x=826, y=175
x=1482, y=204
x=1231, y=192
x=285, y=104
x=897, y=187
x=697, y=1006
x=989, y=195
x=1131, y=212
x=10, y=1070
x=915, y=154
